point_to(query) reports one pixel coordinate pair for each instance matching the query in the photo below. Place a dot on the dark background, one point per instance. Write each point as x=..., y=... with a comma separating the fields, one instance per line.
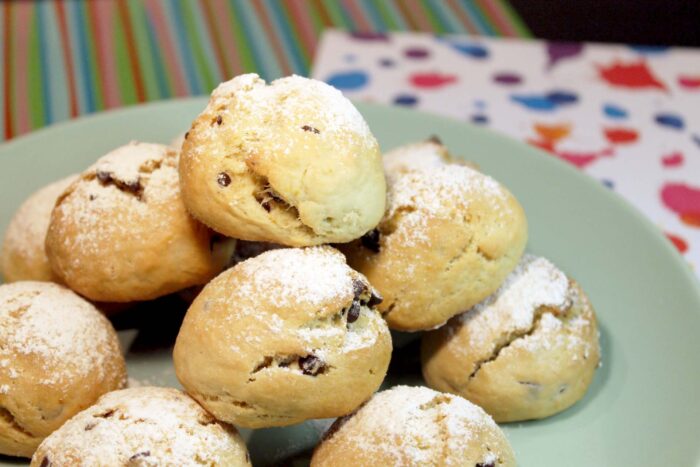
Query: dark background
x=629, y=21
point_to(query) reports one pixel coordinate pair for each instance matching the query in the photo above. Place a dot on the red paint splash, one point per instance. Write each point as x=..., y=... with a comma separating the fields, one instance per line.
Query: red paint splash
x=680, y=243
x=684, y=200
x=689, y=82
x=431, y=80
x=583, y=159
x=674, y=159
x=620, y=135
x=630, y=75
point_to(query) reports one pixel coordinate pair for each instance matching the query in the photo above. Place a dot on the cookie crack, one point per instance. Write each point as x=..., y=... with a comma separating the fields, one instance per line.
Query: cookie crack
x=512, y=338
x=11, y=420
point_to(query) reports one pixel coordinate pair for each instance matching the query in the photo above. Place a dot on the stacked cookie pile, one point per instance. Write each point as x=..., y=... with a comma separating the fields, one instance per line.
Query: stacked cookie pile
x=308, y=247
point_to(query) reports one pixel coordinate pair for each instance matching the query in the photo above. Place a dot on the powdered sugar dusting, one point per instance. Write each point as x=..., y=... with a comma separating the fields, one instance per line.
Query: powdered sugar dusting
x=256, y=111
x=425, y=154
x=412, y=425
x=535, y=282
x=147, y=426
x=437, y=192
x=52, y=323
x=293, y=275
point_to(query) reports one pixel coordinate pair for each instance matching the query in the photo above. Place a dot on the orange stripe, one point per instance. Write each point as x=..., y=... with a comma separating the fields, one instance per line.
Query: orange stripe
x=300, y=13
x=406, y=15
x=7, y=69
x=325, y=17
x=228, y=38
x=497, y=15
x=416, y=10
x=67, y=57
x=131, y=49
x=218, y=47
x=361, y=23
x=272, y=36
x=463, y=17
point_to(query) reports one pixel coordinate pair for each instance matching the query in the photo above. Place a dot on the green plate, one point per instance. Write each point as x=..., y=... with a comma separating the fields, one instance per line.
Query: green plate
x=643, y=408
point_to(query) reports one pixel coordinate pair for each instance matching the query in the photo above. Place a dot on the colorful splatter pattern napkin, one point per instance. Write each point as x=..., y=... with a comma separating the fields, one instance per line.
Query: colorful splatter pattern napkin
x=628, y=116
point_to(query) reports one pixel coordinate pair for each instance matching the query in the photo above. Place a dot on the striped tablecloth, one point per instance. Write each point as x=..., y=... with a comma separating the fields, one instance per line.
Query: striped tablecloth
x=65, y=58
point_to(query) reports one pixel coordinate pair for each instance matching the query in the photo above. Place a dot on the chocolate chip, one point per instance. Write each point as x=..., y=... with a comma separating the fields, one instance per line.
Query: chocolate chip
x=131, y=186
x=486, y=464
x=311, y=365
x=90, y=426
x=93, y=197
x=223, y=179
x=354, y=311
x=435, y=139
x=370, y=240
x=45, y=462
x=104, y=176
x=219, y=119
x=311, y=129
x=358, y=288
x=140, y=454
x=375, y=299
x=187, y=134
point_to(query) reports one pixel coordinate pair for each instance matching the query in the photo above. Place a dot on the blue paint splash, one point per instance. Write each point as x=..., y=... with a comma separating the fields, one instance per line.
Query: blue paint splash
x=480, y=119
x=614, y=111
x=469, y=49
x=407, y=100
x=670, y=120
x=348, y=81
x=649, y=49
x=696, y=139
x=545, y=102
x=608, y=183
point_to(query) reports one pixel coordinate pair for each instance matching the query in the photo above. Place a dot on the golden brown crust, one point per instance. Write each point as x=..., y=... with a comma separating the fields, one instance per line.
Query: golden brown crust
x=283, y=337
x=292, y=162
x=121, y=232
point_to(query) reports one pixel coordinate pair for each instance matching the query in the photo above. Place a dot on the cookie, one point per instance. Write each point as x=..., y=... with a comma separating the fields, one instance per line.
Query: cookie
x=414, y=426
x=121, y=232
x=287, y=336
x=144, y=426
x=423, y=154
x=528, y=351
x=448, y=239
x=58, y=354
x=292, y=162
x=23, y=257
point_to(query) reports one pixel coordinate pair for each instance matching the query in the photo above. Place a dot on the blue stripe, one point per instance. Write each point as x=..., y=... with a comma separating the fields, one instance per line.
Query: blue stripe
x=207, y=47
x=43, y=48
x=172, y=10
x=374, y=17
x=450, y=21
x=161, y=81
x=396, y=16
x=290, y=46
x=476, y=15
x=56, y=68
x=82, y=55
x=257, y=40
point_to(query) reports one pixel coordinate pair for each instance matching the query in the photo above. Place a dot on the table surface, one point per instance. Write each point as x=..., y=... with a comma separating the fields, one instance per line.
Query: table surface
x=629, y=116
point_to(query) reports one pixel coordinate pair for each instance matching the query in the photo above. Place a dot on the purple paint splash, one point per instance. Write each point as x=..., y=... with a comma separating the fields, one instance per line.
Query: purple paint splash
x=558, y=51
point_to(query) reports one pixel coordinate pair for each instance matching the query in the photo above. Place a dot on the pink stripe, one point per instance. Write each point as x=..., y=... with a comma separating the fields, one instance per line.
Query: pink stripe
x=227, y=38
x=103, y=28
x=300, y=11
x=498, y=16
x=361, y=23
x=165, y=39
x=22, y=27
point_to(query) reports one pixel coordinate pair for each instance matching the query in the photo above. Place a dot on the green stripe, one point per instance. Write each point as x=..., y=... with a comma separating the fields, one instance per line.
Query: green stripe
x=203, y=64
x=392, y=16
x=337, y=14
x=520, y=27
x=432, y=18
x=316, y=19
x=452, y=24
x=212, y=75
x=148, y=57
x=92, y=59
x=301, y=58
x=374, y=16
x=248, y=61
x=486, y=18
x=125, y=75
x=36, y=106
x=475, y=14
